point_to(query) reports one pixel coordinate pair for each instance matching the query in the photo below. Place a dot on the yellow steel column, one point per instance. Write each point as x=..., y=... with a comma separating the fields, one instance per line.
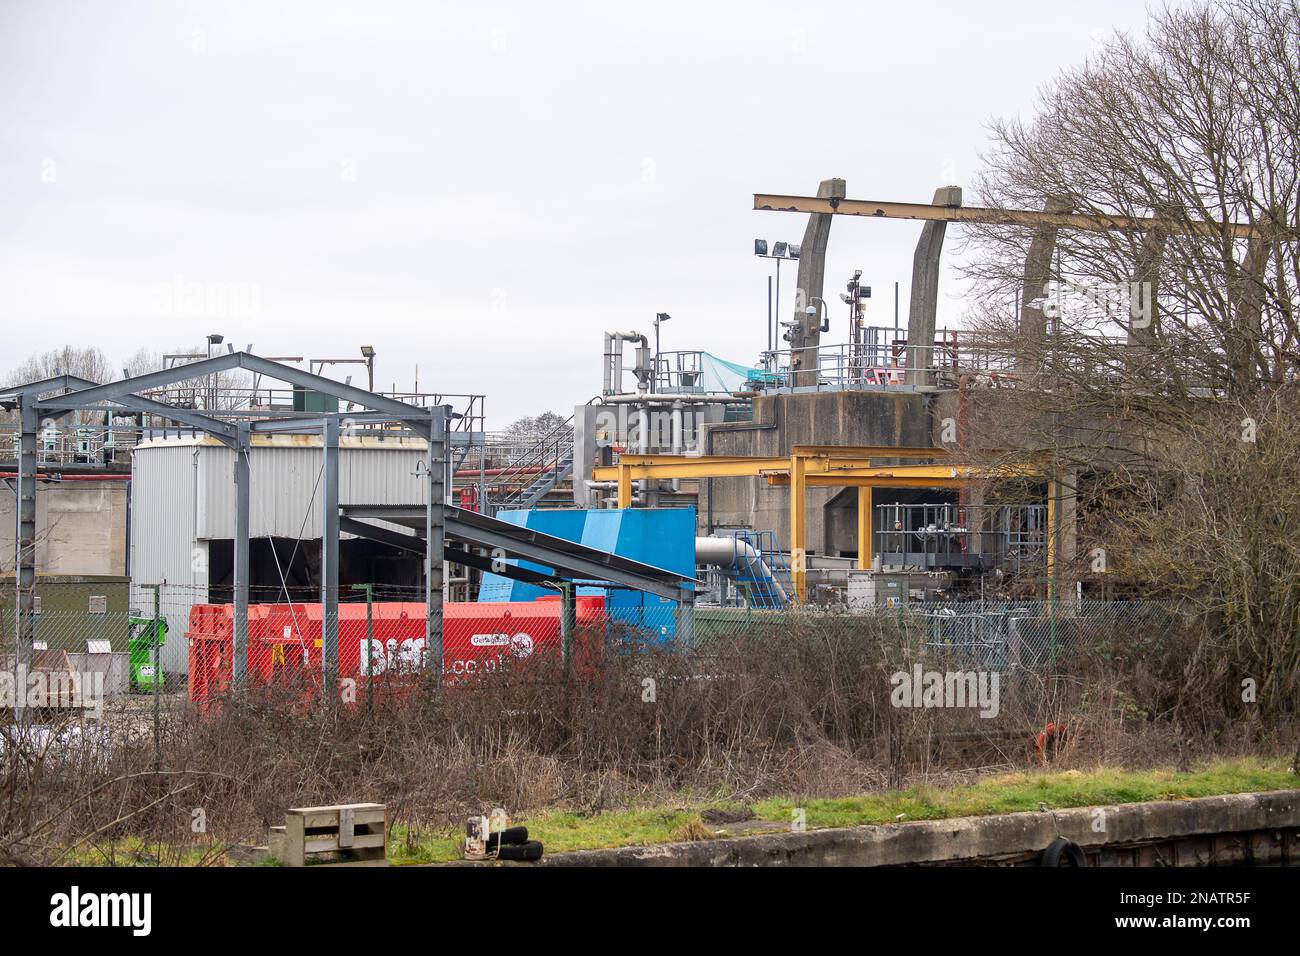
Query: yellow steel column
x=798, y=526
x=865, y=518
x=624, y=486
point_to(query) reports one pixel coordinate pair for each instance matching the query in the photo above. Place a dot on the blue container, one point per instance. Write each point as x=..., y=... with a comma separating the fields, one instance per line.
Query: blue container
x=661, y=537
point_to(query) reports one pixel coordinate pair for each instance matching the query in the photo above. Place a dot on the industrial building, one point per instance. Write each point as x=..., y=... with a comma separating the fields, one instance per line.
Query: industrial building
x=828, y=474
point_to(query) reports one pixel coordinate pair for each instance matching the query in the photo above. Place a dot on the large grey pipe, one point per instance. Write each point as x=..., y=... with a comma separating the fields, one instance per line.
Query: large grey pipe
x=613, y=377
x=728, y=553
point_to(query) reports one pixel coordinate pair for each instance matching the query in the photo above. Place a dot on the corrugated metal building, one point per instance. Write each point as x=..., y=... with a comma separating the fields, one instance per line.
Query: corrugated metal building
x=183, y=511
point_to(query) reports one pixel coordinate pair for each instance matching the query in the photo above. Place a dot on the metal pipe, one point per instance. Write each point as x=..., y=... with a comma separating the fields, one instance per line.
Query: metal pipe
x=677, y=438
x=612, y=380
x=727, y=552
x=663, y=398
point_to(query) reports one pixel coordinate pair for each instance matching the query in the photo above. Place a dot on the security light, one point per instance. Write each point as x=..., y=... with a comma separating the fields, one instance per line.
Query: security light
x=760, y=247
x=794, y=250
x=778, y=250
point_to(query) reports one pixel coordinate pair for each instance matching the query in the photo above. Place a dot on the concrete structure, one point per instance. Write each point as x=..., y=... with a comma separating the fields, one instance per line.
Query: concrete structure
x=808, y=292
x=1245, y=829
x=923, y=306
x=824, y=418
x=1037, y=274
x=81, y=526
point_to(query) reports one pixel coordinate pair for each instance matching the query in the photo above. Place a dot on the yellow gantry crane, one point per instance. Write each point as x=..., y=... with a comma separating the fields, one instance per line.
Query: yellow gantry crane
x=817, y=466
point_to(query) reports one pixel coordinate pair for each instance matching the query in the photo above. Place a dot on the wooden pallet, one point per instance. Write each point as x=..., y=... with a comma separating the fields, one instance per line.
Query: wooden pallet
x=351, y=834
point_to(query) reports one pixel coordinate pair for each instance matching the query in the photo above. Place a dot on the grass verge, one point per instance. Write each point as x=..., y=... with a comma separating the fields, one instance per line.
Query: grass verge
x=562, y=831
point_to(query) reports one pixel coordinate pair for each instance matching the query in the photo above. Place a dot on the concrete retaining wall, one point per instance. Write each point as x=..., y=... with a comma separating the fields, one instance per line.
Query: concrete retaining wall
x=1260, y=828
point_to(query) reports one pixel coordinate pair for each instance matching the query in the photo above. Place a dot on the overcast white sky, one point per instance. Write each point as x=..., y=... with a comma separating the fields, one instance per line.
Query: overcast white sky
x=480, y=188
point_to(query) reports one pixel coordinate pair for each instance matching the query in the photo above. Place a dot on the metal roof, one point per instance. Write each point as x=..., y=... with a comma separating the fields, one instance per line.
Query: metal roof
x=569, y=559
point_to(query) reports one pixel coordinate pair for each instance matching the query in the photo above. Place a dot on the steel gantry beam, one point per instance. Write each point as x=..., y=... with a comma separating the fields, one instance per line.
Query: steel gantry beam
x=1088, y=222
x=74, y=388
x=90, y=396
x=816, y=466
x=821, y=457
x=414, y=543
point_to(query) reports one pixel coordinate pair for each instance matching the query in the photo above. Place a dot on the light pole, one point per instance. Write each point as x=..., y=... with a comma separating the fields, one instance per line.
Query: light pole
x=368, y=353
x=780, y=251
x=659, y=317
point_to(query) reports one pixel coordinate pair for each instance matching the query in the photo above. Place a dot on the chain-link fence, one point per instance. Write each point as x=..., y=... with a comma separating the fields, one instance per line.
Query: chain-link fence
x=999, y=634
x=536, y=701
x=131, y=643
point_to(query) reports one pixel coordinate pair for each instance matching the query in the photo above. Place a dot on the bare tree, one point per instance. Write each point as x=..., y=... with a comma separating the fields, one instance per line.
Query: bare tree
x=85, y=362
x=535, y=426
x=1155, y=368
x=1198, y=125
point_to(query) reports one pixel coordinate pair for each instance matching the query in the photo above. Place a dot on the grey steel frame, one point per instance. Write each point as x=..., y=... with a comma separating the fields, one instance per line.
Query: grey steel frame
x=436, y=519
x=429, y=423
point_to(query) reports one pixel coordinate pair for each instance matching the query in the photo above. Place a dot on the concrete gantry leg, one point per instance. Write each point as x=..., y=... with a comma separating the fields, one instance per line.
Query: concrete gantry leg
x=923, y=306
x=1067, y=526
x=329, y=558
x=812, y=273
x=239, y=661
x=1062, y=525
x=1033, y=293
x=25, y=546
x=435, y=513
x=1247, y=297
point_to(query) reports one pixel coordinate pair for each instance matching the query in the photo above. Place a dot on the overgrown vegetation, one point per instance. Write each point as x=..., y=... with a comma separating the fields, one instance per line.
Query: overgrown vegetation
x=758, y=718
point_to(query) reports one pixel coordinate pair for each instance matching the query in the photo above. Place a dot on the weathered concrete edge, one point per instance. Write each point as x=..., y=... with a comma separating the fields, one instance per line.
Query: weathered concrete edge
x=964, y=838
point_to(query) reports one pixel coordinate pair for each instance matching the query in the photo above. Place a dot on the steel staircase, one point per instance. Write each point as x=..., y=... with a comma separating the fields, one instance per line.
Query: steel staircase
x=538, y=469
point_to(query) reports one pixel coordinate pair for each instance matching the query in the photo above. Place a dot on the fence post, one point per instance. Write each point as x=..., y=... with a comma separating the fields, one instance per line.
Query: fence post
x=157, y=682
x=370, y=643
x=568, y=621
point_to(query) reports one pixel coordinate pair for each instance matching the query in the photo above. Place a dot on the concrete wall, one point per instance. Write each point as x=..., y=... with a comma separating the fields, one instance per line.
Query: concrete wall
x=1255, y=829
x=80, y=527
x=821, y=418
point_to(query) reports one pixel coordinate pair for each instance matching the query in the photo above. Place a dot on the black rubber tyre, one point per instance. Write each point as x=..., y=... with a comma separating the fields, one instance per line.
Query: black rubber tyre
x=1061, y=852
x=532, y=850
x=511, y=836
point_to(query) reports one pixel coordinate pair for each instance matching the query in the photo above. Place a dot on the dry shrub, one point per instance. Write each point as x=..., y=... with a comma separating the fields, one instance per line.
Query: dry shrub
x=802, y=710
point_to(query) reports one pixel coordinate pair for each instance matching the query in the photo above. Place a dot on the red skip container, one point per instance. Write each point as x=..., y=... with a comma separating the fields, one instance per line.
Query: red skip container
x=284, y=640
